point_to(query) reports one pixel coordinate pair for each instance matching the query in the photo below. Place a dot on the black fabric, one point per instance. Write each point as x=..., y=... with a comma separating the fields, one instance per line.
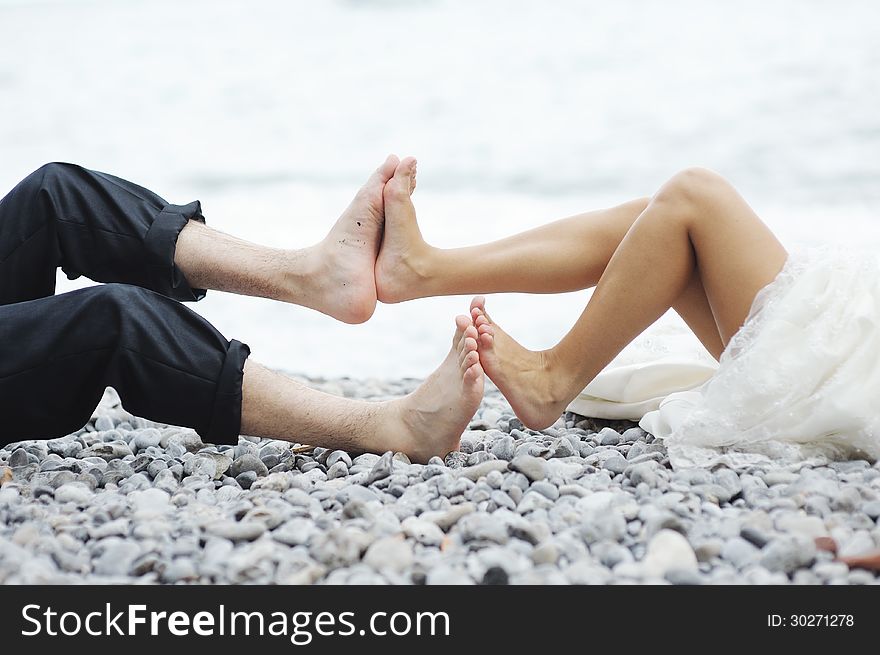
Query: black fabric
x=58, y=353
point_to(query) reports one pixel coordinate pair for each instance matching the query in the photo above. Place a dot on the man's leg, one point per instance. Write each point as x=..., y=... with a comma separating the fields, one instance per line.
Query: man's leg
x=111, y=230
x=427, y=422
x=169, y=364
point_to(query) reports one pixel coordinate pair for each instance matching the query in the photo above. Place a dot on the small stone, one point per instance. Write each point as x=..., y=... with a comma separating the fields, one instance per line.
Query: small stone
x=474, y=473
x=503, y=448
x=381, y=469
x=533, y=468
x=483, y=527
x=107, y=451
x=678, y=576
x=337, y=470
x=189, y=441
x=449, y=518
x=561, y=448
x=389, y=554
x=338, y=456
x=739, y=552
x=146, y=438
x=117, y=558
x=74, y=492
x=668, y=550
x=789, y=553
x=425, y=532
x=103, y=423
x=64, y=447
x=632, y=435
x=809, y=526
x=180, y=569
x=246, y=478
x=642, y=472
x=545, y=553
x=495, y=575
x=198, y=465
x=608, y=437
x=279, y=481
x=295, y=531
x=248, y=462
x=730, y=481
x=615, y=465
x=754, y=536
x=772, y=478
x=236, y=531
x=872, y=509
x=150, y=502
x=155, y=466
x=546, y=489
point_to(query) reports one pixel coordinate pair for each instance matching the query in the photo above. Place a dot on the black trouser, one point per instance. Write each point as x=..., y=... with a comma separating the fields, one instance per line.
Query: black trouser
x=58, y=353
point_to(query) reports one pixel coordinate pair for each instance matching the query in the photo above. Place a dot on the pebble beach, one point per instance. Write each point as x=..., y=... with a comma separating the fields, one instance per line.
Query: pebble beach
x=126, y=500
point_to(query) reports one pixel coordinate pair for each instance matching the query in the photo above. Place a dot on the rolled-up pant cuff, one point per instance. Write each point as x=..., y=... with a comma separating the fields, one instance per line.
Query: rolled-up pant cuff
x=224, y=425
x=161, y=243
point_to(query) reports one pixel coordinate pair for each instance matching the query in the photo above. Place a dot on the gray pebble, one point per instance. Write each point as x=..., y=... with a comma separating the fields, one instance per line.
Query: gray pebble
x=236, y=531
x=788, y=553
x=615, y=465
x=248, y=462
x=338, y=456
x=381, y=469
x=503, y=448
x=533, y=468
x=546, y=489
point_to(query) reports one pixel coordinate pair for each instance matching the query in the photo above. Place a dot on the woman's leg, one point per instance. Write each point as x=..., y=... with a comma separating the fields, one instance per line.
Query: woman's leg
x=111, y=230
x=58, y=354
x=695, y=224
x=566, y=255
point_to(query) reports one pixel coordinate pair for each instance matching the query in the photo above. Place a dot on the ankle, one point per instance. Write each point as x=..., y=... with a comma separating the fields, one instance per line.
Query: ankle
x=560, y=379
x=298, y=272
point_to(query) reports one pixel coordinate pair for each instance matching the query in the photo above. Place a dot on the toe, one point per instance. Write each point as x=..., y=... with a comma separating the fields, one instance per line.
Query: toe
x=387, y=168
x=480, y=321
x=487, y=341
x=485, y=329
x=479, y=302
x=462, y=323
x=469, y=360
x=471, y=331
x=403, y=182
x=473, y=373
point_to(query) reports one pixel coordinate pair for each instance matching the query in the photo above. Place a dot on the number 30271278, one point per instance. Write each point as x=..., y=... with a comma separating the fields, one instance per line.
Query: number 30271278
x=810, y=621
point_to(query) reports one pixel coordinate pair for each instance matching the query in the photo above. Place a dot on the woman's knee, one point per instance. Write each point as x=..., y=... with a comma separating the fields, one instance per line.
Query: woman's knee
x=691, y=189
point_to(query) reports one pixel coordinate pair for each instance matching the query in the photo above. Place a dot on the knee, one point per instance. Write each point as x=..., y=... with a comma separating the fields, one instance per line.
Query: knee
x=47, y=177
x=691, y=188
x=115, y=304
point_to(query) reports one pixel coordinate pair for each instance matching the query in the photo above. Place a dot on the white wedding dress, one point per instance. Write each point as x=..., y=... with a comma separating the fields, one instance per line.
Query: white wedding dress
x=799, y=381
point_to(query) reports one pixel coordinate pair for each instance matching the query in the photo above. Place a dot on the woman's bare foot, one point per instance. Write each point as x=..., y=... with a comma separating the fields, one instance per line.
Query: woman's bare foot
x=401, y=266
x=342, y=267
x=523, y=376
x=431, y=419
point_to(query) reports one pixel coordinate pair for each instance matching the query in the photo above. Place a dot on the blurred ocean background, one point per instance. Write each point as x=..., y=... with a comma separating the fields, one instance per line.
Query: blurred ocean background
x=273, y=112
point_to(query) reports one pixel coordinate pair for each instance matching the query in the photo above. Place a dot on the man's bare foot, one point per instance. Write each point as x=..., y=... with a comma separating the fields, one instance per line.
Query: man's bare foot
x=342, y=266
x=400, y=268
x=431, y=419
x=523, y=376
